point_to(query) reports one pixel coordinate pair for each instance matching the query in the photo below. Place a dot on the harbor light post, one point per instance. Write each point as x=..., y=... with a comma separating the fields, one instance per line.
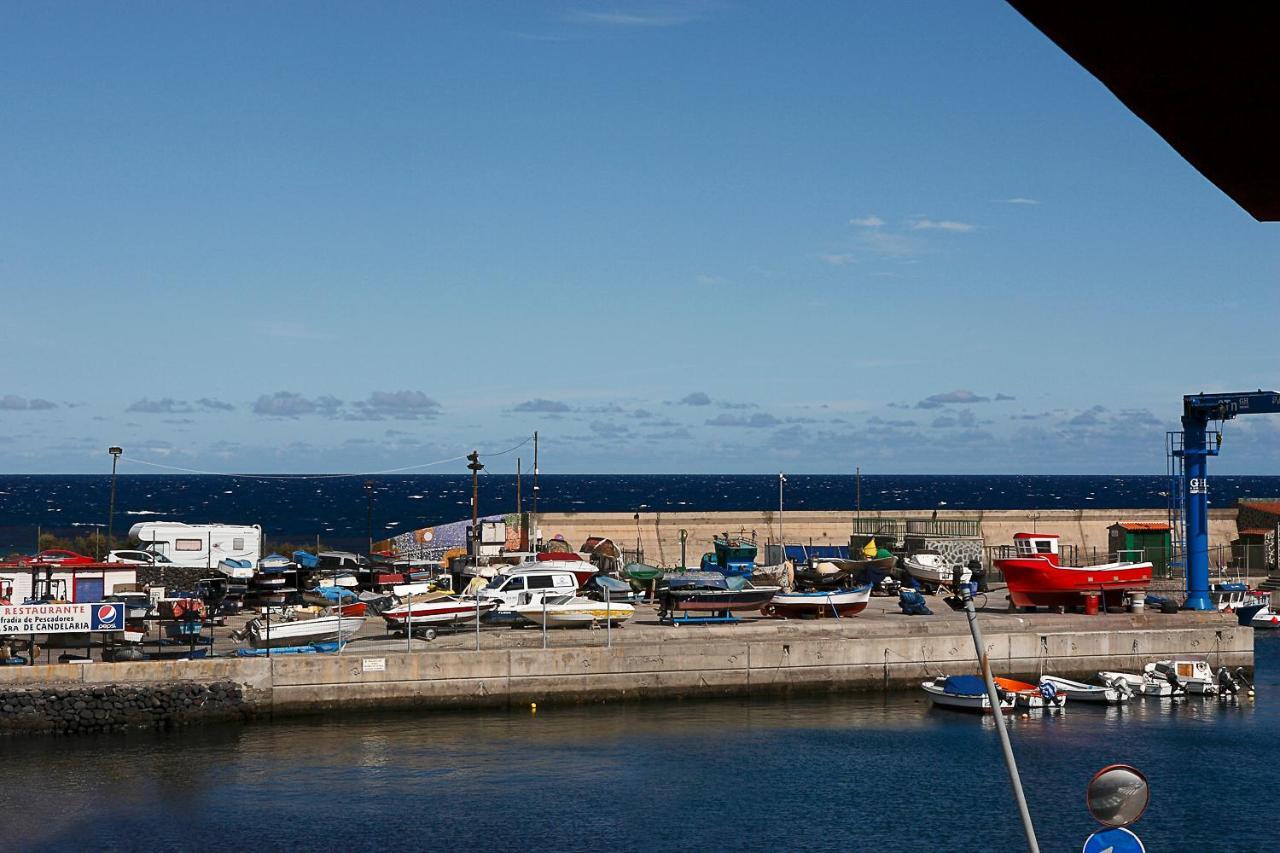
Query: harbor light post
x=111, y=511
x=781, y=540
x=368, y=509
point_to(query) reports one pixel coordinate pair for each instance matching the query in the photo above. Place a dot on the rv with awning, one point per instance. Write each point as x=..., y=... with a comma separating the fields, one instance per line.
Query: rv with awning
x=199, y=545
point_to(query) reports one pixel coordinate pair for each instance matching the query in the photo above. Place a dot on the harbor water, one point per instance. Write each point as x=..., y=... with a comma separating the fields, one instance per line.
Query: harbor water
x=838, y=772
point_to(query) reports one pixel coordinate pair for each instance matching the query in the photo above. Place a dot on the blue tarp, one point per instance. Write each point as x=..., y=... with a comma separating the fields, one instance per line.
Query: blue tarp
x=306, y=559
x=964, y=685
x=802, y=553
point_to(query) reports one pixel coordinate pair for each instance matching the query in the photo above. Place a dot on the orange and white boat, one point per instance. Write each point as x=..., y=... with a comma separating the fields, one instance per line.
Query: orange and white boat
x=1037, y=578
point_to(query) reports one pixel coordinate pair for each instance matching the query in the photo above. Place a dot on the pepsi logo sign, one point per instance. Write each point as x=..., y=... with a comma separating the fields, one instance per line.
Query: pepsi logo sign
x=106, y=613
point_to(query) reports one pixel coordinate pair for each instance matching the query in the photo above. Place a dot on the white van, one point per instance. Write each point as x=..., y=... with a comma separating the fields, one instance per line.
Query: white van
x=510, y=591
x=199, y=545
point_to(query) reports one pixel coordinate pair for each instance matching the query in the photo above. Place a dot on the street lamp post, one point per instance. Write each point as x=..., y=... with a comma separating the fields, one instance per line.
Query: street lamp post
x=111, y=511
x=368, y=508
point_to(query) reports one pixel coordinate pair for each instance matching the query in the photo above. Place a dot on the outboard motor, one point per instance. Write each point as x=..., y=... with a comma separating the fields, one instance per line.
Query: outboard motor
x=1172, y=677
x=1122, y=686
x=1050, y=692
x=1227, y=684
x=978, y=575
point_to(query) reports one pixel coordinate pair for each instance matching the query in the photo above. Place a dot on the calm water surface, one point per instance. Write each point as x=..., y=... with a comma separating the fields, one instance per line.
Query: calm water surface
x=832, y=773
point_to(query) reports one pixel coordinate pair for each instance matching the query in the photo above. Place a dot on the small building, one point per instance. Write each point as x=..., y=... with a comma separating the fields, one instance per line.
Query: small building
x=1250, y=549
x=1142, y=540
x=80, y=584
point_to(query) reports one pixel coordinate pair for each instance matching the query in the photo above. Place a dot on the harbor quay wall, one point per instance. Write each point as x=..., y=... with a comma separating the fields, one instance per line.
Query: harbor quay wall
x=703, y=662
x=658, y=533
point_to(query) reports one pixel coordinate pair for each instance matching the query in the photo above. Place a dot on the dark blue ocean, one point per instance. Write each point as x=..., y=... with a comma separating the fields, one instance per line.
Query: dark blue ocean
x=299, y=509
x=832, y=773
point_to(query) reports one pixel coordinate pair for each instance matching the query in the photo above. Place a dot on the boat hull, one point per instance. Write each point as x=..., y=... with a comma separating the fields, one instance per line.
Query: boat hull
x=977, y=703
x=444, y=612
x=559, y=616
x=849, y=602
x=1036, y=582
x=716, y=600
x=325, y=629
x=1077, y=691
x=934, y=571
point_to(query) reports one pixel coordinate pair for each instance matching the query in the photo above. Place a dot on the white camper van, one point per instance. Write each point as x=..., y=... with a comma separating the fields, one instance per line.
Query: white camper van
x=199, y=545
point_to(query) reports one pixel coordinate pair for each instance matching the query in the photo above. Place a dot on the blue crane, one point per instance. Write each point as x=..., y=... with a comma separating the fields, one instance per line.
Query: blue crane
x=1198, y=411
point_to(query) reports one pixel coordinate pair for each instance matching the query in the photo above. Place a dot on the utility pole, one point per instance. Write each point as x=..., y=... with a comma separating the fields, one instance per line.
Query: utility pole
x=111, y=512
x=474, y=466
x=535, y=472
x=518, y=508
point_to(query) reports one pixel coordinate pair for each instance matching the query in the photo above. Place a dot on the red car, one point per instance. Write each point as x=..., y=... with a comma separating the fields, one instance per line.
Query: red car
x=63, y=557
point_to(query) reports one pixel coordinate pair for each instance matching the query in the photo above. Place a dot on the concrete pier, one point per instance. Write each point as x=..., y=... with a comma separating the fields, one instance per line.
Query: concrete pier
x=880, y=650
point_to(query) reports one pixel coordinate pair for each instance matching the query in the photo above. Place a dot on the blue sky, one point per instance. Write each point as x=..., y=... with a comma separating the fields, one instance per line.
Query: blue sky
x=684, y=236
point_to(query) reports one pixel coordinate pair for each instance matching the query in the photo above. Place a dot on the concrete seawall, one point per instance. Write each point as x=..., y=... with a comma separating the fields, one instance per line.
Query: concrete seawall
x=689, y=662
x=659, y=532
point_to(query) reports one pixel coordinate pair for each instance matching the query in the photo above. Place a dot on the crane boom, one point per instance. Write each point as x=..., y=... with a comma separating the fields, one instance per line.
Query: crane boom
x=1197, y=411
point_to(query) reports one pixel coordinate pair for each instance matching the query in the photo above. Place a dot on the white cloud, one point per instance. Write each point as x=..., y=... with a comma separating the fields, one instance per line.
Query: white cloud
x=631, y=19
x=867, y=222
x=839, y=260
x=703, y=278
x=1020, y=200
x=889, y=244
x=941, y=225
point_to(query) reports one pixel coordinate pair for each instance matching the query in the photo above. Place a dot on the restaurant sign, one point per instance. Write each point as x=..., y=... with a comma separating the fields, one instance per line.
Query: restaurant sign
x=60, y=618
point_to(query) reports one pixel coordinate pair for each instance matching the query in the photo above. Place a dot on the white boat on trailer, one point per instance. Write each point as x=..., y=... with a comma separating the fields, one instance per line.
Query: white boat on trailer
x=930, y=567
x=963, y=693
x=434, y=610
x=1078, y=691
x=574, y=611
x=266, y=633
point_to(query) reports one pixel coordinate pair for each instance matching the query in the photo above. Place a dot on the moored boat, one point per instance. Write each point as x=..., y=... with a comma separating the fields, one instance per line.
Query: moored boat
x=963, y=693
x=835, y=602
x=1036, y=577
x=1031, y=696
x=1078, y=691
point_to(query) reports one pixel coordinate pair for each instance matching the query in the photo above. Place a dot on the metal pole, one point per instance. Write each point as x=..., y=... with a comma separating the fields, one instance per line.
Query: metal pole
x=608, y=619
x=408, y=635
x=368, y=508
x=111, y=512
x=535, y=472
x=518, y=476
x=544, y=621
x=781, y=539
x=477, y=620
x=994, y=697
x=1195, y=452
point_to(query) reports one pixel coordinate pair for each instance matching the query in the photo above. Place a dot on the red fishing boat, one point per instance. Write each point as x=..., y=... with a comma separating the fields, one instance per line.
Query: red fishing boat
x=1037, y=578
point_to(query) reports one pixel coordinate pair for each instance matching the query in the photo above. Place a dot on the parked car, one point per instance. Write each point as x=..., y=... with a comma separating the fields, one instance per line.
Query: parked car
x=510, y=591
x=139, y=558
x=64, y=557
